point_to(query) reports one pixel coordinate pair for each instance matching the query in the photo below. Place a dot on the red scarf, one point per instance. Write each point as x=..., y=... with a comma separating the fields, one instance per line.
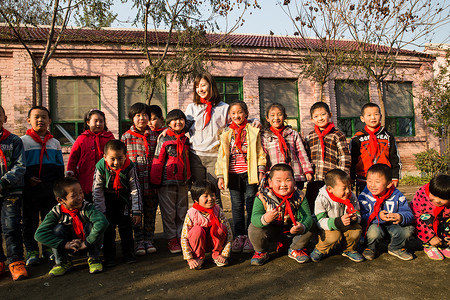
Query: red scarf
x=216, y=229
x=287, y=208
x=43, y=144
x=143, y=137
x=76, y=222
x=281, y=141
x=117, y=185
x=350, y=208
x=238, y=129
x=321, y=134
x=99, y=152
x=4, y=136
x=207, y=111
x=436, y=210
x=377, y=206
x=373, y=142
x=180, y=144
x=159, y=129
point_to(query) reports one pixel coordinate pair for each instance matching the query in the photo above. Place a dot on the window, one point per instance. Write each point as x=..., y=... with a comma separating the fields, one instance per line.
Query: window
x=399, y=108
x=230, y=89
x=351, y=95
x=283, y=91
x=71, y=99
x=130, y=93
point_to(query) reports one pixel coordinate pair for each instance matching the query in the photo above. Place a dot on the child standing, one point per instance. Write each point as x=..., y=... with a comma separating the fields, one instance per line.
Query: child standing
x=328, y=148
x=282, y=144
x=141, y=144
x=171, y=171
x=280, y=214
x=12, y=170
x=337, y=212
x=72, y=225
x=205, y=228
x=117, y=194
x=88, y=150
x=384, y=210
x=374, y=144
x=156, y=122
x=45, y=164
x=240, y=165
x=431, y=208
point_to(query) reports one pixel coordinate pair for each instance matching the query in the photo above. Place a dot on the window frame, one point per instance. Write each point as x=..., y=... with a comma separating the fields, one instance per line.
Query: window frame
x=225, y=80
x=412, y=118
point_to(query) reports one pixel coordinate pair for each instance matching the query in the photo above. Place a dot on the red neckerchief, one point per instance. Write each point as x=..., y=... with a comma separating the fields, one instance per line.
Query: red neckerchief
x=350, y=208
x=238, y=129
x=4, y=136
x=99, y=152
x=215, y=223
x=76, y=222
x=287, y=208
x=141, y=136
x=436, y=210
x=373, y=142
x=281, y=141
x=180, y=144
x=159, y=129
x=321, y=134
x=117, y=184
x=43, y=144
x=207, y=111
x=377, y=206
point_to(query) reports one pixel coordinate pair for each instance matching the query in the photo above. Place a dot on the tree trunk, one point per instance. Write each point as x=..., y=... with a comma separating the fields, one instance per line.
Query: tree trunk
x=38, y=86
x=321, y=84
x=381, y=101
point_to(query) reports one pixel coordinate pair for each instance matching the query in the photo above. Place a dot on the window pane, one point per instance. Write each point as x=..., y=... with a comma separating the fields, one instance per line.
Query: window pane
x=405, y=126
x=58, y=133
x=283, y=91
x=391, y=125
x=358, y=125
x=398, y=99
x=229, y=88
x=232, y=98
x=345, y=125
x=220, y=87
x=351, y=96
x=232, y=88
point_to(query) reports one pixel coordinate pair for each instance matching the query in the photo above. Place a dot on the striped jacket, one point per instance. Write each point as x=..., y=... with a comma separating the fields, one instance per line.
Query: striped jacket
x=12, y=175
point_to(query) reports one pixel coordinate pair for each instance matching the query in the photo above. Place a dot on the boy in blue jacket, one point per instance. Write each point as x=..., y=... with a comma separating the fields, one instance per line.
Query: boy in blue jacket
x=384, y=210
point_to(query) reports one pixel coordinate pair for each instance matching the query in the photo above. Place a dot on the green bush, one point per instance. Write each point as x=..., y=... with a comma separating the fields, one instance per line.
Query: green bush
x=431, y=162
x=415, y=180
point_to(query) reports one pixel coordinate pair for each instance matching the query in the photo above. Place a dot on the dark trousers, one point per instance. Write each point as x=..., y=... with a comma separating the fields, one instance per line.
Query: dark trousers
x=202, y=168
x=241, y=193
x=11, y=216
x=312, y=190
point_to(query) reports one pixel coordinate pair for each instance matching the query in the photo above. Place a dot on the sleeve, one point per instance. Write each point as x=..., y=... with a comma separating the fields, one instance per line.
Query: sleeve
x=365, y=209
x=135, y=192
x=98, y=191
x=227, y=247
x=266, y=152
x=321, y=211
x=304, y=215
x=159, y=160
x=261, y=155
x=302, y=155
x=405, y=211
x=44, y=234
x=187, y=251
x=355, y=153
x=74, y=157
x=99, y=224
x=257, y=213
x=219, y=169
x=14, y=177
x=344, y=159
x=394, y=158
x=59, y=161
x=190, y=119
x=355, y=203
x=424, y=232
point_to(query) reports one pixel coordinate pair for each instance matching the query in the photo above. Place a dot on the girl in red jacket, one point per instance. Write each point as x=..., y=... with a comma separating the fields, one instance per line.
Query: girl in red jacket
x=88, y=150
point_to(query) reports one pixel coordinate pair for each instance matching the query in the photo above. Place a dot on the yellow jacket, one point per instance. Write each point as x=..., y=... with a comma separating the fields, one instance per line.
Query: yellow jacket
x=255, y=154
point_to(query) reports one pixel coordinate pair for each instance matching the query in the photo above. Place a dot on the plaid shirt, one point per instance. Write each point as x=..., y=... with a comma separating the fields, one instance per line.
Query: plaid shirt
x=137, y=153
x=336, y=153
x=298, y=159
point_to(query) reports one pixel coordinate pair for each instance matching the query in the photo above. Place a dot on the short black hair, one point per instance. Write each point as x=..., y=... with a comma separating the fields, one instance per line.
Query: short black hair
x=156, y=110
x=60, y=185
x=381, y=169
x=241, y=104
x=280, y=167
x=332, y=177
x=40, y=107
x=440, y=186
x=138, y=108
x=88, y=116
x=318, y=105
x=4, y=112
x=202, y=187
x=175, y=114
x=368, y=105
x=115, y=145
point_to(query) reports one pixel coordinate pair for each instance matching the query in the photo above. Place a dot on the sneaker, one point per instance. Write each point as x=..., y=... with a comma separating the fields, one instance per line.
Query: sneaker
x=248, y=247
x=238, y=243
x=282, y=247
x=59, y=270
x=174, y=246
x=18, y=270
x=433, y=253
x=32, y=258
x=149, y=248
x=259, y=258
x=316, y=255
x=300, y=255
x=47, y=253
x=140, y=249
x=129, y=258
x=220, y=264
x=2, y=268
x=402, y=254
x=369, y=254
x=353, y=256
x=445, y=252
x=95, y=265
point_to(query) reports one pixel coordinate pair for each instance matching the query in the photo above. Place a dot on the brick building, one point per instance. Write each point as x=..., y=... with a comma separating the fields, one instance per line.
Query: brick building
x=101, y=69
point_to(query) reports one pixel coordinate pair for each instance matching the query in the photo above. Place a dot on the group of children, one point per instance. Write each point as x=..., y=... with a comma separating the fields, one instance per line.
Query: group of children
x=113, y=183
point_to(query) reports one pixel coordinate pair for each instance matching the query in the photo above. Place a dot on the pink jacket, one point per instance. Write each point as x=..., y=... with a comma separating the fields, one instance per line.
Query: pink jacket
x=82, y=158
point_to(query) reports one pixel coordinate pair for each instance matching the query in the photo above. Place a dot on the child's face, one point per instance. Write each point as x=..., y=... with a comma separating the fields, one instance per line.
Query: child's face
x=203, y=89
x=436, y=201
x=39, y=121
x=237, y=114
x=96, y=123
x=371, y=117
x=320, y=117
x=115, y=158
x=207, y=200
x=377, y=183
x=74, y=198
x=177, y=125
x=341, y=189
x=155, y=122
x=3, y=118
x=282, y=182
x=140, y=121
x=275, y=117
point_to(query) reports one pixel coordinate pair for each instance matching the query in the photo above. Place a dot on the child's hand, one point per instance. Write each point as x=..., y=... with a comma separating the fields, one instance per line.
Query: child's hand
x=82, y=245
x=271, y=215
x=346, y=219
x=395, y=218
x=222, y=259
x=309, y=177
x=297, y=229
x=435, y=241
x=384, y=216
x=395, y=183
x=72, y=245
x=194, y=263
x=221, y=184
x=354, y=217
x=34, y=181
x=256, y=123
x=137, y=220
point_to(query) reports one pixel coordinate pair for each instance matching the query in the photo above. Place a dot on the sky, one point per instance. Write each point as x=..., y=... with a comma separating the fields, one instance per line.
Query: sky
x=270, y=18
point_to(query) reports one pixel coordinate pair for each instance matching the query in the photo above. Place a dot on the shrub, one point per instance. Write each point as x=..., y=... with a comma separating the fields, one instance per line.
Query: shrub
x=431, y=162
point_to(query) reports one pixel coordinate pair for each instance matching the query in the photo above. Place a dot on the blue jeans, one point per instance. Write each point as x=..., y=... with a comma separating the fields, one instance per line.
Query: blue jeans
x=399, y=235
x=241, y=193
x=11, y=215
